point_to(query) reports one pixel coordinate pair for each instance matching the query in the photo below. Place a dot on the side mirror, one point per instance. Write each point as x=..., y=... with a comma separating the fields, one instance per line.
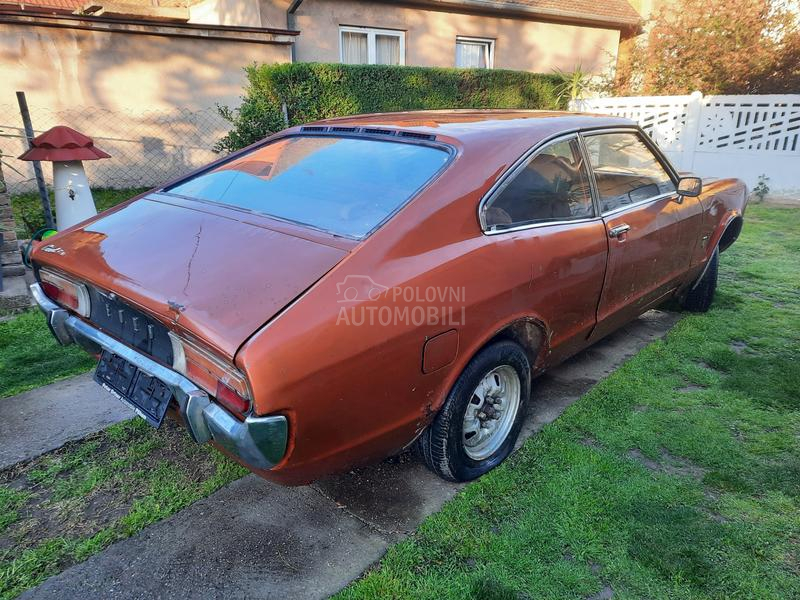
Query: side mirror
x=690, y=186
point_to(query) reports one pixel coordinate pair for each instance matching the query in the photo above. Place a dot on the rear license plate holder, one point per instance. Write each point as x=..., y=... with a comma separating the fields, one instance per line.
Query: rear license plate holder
x=147, y=395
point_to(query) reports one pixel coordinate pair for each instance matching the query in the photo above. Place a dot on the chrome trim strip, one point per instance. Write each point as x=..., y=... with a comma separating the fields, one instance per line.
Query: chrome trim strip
x=542, y=224
x=625, y=207
x=592, y=181
x=258, y=441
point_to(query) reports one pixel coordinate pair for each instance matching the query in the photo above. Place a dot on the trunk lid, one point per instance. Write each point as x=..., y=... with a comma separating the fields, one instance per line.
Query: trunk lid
x=215, y=272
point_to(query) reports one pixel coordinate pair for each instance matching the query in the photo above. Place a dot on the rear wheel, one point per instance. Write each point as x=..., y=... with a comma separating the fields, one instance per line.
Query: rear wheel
x=701, y=294
x=479, y=423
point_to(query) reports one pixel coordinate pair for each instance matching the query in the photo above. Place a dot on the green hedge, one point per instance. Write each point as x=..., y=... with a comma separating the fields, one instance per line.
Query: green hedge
x=315, y=91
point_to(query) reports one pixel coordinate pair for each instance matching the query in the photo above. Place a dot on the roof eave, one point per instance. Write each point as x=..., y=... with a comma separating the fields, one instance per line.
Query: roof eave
x=58, y=19
x=515, y=9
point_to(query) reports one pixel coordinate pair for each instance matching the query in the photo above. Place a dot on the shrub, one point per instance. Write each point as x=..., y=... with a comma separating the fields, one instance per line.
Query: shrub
x=717, y=47
x=314, y=91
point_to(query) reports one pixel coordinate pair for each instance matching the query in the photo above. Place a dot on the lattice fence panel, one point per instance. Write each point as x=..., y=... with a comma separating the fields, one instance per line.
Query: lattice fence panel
x=754, y=123
x=661, y=117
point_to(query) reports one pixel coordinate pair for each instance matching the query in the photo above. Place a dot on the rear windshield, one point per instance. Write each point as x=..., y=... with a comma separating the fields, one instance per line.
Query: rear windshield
x=345, y=186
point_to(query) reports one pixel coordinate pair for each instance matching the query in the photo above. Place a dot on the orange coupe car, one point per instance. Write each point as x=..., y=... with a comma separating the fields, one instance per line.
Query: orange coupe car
x=344, y=289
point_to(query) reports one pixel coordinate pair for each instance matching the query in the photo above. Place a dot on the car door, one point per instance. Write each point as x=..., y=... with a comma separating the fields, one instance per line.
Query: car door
x=647, y=224
x=548, y=226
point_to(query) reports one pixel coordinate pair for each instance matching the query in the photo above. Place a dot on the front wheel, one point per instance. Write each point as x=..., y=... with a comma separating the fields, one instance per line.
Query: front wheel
x=479, y=423
x=701, y=294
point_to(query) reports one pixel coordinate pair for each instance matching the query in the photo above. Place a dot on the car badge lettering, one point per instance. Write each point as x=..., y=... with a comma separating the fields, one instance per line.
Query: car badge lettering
x=50, y=248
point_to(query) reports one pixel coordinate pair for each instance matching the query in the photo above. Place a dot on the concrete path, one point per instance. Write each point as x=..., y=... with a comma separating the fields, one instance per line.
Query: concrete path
x=46, y=418
x=253, y=539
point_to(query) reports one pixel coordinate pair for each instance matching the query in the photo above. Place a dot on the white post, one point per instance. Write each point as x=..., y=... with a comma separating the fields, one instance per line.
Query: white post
x=74, y=201
x=689, y=135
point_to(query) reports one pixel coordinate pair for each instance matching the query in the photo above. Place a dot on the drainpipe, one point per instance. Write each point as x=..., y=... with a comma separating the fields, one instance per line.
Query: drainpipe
x=292, y=24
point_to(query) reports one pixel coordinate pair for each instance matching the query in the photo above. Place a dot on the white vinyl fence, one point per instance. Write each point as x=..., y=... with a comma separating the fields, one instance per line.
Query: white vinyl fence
x=720, y=136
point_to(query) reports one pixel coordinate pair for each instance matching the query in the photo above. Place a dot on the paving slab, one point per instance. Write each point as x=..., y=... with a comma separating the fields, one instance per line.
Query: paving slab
x=254, y=539
x=251, y=539
x=48, y=417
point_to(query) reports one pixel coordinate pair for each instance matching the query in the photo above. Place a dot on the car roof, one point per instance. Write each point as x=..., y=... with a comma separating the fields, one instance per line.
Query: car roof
x=471, y=126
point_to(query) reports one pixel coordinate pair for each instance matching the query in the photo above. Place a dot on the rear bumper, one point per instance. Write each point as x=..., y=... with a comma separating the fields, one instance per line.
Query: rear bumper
x=259, y=442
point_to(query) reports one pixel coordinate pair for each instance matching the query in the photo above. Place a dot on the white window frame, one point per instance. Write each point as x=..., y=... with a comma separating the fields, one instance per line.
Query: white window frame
x=371, y=33
x=489, y=42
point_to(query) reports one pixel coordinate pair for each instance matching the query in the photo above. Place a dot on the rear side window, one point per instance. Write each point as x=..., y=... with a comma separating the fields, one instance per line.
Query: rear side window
x=345, y=186
x=625, y=170
x=552, y=186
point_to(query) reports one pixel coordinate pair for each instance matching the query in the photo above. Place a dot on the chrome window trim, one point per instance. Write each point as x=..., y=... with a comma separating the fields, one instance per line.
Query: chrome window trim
x=592, y=183
x=542, y=224
x=506, y=178
x=650, y=144
x=626, y=207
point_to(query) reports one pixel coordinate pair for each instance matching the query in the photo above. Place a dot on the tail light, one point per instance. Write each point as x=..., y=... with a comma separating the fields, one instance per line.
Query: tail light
x=66, y=292
x=212, y=373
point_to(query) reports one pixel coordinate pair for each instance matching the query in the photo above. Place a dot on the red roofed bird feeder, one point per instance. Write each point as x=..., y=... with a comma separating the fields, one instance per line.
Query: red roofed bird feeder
x=66, y=148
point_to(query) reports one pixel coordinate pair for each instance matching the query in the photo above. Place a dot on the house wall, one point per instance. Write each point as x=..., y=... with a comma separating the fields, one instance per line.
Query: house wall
x=251, y=13
x=246, y=13
x=148, y=100
x=521, y=44
x=273, y=12
x=63, y=68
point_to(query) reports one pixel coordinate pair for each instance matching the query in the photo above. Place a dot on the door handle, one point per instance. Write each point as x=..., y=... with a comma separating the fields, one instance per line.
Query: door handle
x=619, y=230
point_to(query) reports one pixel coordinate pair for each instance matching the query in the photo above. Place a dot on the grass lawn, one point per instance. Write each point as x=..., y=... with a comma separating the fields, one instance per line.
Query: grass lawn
x=27, y=208
x=676, y=477
x=31, y=357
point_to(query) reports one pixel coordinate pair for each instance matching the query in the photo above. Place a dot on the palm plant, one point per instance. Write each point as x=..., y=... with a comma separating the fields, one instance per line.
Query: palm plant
x=574, y=85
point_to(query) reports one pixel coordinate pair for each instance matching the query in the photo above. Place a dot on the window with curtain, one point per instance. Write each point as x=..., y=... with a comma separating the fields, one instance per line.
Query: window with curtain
x=369, y=46
x=354, y=48
x=474, y=53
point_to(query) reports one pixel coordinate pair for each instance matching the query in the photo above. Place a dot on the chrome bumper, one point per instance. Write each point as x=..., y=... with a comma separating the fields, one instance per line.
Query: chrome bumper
x=258, y=441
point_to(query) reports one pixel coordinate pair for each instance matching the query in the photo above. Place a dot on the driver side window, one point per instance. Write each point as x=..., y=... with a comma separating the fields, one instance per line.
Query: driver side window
x=552, y=186
x=625, y=170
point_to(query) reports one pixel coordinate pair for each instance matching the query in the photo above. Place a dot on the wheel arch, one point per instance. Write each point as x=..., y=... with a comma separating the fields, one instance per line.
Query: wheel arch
x=529, y=332
x=731, y=232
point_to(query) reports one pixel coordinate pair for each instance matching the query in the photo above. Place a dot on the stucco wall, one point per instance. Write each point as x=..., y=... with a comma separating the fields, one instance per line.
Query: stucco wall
x=273, y=12
x=227, y=12
x=62, y=68
x=252, y=13
x=431, y=36
x=148, y=100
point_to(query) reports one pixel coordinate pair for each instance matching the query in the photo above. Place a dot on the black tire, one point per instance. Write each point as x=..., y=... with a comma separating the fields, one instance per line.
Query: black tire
x=442, y=443
x=701, y=294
